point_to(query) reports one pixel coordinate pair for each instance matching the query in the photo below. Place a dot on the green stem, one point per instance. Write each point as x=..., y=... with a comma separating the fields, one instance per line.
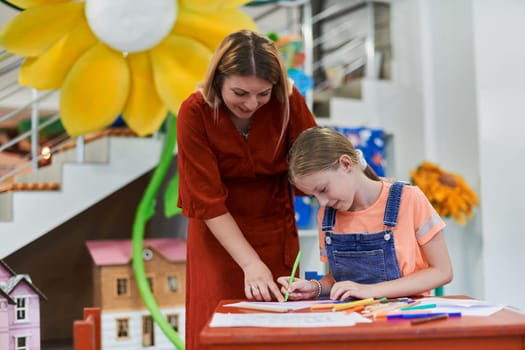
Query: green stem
x=145, y=210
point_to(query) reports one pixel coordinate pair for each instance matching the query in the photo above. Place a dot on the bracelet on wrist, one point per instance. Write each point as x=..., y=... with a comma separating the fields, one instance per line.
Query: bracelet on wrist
x=319, y=288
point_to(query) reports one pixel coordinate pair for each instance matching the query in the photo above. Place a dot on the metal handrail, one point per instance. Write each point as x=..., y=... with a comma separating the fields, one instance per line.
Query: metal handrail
x=10, y=63
x=26, y=106
x=363, y=44
x=28, y=133
x=338, y=10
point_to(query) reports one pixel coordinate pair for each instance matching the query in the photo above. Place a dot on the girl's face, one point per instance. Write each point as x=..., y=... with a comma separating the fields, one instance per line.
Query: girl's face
x=243, y=95
x=334, y=188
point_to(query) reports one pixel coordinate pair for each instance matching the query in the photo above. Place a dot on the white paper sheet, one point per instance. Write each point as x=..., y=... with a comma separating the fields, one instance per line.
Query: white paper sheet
x=294, y=320
x=467, y=307
x=289, y=305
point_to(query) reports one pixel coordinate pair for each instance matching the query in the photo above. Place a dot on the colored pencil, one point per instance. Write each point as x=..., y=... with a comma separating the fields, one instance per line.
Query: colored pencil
x=418, y=307
x=294, y=268
x=351, y=304
x=420, y=315
x=383, y=311
x=429, y=319
x=355, y=309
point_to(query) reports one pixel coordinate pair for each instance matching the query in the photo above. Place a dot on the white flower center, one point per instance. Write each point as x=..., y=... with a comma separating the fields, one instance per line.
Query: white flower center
x=131, y=25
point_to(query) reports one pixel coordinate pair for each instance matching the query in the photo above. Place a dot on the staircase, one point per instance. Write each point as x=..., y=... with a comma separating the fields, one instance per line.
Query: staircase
x=110, y=164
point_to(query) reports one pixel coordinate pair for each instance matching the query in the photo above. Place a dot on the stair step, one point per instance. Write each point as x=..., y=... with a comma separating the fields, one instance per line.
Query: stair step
x=25, y=215
x=30, y=186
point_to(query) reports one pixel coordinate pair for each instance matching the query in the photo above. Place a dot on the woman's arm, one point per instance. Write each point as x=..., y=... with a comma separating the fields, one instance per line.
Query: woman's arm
x=256, y=273
x=438, y=273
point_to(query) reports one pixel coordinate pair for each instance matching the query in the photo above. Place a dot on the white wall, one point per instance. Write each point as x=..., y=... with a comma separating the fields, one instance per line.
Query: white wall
x=454, y=99
x=6, y=13
x=429, y=107
x=451, y=124
x=472, y=93
x=500, y=86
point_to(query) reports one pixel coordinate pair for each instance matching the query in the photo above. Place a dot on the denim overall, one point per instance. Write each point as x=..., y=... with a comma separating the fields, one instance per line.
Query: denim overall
x=364, y=257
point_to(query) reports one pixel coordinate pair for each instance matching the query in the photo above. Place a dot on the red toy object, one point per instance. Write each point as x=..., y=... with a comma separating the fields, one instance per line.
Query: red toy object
x=86, y=333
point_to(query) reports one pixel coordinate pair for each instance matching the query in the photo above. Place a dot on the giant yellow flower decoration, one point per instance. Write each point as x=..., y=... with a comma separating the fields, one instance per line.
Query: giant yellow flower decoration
x=135, y=58
x=449, y=194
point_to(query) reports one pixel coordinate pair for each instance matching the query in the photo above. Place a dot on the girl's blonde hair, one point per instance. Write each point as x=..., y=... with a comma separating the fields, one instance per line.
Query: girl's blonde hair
x=318, y=149
x=247, y=53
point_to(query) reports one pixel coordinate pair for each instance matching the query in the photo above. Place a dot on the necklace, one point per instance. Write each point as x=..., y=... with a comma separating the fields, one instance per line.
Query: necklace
x=243, y=126
x=245, y=133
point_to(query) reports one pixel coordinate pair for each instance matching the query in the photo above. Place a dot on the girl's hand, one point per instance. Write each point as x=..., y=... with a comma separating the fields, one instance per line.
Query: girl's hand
x=345, y=290
x=259, y=283
x=299, y=290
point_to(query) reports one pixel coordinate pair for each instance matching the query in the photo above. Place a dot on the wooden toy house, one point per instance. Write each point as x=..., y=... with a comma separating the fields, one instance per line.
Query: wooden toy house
x=19, y=311
x=125, y=320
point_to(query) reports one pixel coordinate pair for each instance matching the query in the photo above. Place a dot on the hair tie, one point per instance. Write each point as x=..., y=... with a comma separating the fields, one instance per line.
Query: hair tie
x=361, y=159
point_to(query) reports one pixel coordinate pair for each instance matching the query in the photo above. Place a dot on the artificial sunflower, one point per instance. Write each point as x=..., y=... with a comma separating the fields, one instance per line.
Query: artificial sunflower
x=139, y=59
x=449, y=194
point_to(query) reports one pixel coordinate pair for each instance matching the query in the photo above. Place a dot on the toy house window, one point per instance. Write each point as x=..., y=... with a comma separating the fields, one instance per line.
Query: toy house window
x=173, y=320
x=122, y=328
x=21, y=343
x=122, y=286
x=173, y=284
x=21, y=310
x=150, y=282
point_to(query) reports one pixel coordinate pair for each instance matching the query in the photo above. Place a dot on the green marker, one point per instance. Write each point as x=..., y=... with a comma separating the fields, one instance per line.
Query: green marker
x=418, y=307
x=294, y=268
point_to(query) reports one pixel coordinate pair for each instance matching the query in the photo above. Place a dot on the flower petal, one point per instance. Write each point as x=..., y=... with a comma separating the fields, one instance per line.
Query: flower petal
x=25, y=4
x=94, y=91
x=33, y=31
x=211, y=5
x=204, y=26
x=179, y=64
x=144, y=111
x=48, y=70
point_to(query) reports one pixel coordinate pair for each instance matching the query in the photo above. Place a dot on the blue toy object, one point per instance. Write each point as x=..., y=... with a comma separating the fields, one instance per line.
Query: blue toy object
x=371, y=142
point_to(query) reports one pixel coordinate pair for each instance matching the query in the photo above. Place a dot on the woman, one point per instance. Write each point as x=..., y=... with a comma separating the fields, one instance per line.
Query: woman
x=233, y=136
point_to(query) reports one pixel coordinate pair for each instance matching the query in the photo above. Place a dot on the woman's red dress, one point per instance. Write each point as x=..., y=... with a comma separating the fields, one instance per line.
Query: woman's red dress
x=222, y=172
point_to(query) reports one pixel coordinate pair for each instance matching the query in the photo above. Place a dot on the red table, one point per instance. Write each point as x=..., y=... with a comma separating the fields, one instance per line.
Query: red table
x=503, y=330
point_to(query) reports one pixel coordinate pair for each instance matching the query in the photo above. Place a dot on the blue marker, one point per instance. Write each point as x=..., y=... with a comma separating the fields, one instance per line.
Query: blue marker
x=411, y=316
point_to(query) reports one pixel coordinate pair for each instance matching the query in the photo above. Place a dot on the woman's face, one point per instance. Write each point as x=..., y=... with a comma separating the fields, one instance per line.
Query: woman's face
x=243, y=95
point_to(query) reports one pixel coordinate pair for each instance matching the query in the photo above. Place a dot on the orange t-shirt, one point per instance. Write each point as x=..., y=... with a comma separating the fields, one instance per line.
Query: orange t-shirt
x=417, y=223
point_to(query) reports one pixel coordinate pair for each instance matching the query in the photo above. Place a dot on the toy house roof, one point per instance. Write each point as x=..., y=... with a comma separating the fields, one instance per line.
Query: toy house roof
x=118, y=252
x=7, y=296
x=7, y=267
x=7, y=286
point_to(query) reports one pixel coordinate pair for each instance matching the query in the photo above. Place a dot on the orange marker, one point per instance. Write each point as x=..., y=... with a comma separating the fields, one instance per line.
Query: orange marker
x=355, y=309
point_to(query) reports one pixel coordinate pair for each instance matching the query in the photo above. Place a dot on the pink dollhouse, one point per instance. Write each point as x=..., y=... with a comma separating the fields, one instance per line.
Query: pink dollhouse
x=125, y=321
x=19, y=311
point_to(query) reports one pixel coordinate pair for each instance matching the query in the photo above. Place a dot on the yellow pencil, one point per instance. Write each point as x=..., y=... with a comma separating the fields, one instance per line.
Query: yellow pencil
x=344, y=306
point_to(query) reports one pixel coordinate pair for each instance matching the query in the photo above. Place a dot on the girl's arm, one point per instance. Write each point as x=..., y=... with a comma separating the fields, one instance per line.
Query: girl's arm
x=256, y=273
x=438, y=273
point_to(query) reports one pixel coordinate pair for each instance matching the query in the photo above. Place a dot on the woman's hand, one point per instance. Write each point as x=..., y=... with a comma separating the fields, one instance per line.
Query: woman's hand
x=259, y=283
x=299, y=290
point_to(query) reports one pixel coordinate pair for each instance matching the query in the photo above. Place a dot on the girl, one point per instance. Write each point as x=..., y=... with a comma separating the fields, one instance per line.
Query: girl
x=380, y=239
